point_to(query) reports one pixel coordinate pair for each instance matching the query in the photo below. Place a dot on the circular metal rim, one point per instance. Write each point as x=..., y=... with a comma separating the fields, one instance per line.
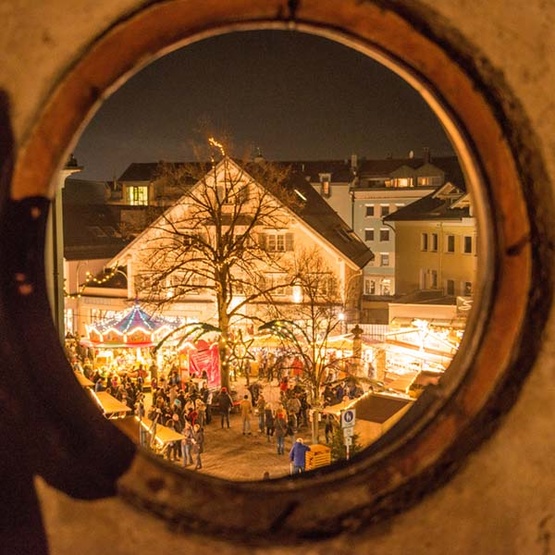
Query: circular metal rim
x=388, y=480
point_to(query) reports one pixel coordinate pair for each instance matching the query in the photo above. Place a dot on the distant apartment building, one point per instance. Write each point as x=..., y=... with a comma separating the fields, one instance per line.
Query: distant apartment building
x=365, y=192
x=436, y=244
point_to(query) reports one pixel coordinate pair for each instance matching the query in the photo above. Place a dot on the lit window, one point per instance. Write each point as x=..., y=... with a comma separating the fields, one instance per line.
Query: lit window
x=467, y=288
x=429, y=181
x=403, y=182
x=370, y=287
x=384, y=259
x=325, y=187
x=386, y=287
x=137, y=195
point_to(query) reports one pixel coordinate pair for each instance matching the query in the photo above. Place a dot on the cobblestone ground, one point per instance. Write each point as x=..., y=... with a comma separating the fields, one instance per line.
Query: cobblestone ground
x=233, y=456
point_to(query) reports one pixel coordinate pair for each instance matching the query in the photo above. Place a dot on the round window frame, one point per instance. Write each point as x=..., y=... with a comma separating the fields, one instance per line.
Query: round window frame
x=496, y=147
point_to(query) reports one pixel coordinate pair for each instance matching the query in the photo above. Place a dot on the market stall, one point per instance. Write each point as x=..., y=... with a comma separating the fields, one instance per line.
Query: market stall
x=110, y=406
x=131, y=334
x=375, y=413
x=416, y=349
x=156, y=436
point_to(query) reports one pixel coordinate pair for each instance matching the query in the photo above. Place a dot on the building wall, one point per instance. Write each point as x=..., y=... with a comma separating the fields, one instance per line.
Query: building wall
x=419, y=267
x=380, y=279
x=501, y=499
x=304, y=241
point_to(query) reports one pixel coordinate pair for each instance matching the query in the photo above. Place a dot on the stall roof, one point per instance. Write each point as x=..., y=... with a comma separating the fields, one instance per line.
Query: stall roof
x=373, y=407
x=111, y=407
x=163, y=433
x=83, y=380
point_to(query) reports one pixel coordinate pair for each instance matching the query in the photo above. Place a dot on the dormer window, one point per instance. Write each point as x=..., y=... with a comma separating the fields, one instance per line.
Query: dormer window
x=429, y=181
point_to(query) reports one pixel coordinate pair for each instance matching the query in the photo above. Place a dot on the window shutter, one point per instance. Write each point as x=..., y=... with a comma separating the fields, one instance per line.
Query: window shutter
x=262, y=241
x=288, y=241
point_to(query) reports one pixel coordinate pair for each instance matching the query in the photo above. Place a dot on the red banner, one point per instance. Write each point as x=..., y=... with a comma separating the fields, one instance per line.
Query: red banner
x=205, y=359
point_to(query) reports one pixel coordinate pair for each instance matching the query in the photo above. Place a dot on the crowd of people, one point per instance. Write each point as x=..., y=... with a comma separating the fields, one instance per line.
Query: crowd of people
x=187, y=406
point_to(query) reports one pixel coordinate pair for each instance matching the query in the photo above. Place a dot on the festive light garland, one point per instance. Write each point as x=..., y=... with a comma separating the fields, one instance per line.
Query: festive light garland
x=91, y=279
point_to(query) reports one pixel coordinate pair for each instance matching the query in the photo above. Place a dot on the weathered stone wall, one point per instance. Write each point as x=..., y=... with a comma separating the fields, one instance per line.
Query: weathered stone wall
x=501, y=500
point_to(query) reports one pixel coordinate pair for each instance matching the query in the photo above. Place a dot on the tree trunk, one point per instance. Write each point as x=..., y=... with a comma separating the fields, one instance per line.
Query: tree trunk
x=224, y=364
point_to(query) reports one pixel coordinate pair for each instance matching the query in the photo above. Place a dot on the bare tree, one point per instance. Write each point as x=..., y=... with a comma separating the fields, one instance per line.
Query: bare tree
x=306, y=329
x=213, y=241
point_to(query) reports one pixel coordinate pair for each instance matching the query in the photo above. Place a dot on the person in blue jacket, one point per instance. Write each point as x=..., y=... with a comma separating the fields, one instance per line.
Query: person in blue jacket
x=297, y=456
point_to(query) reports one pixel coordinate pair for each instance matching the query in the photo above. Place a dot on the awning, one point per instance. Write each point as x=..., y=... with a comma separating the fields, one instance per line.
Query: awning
x=400, y=382
x=83, y=380
x=372, y=407
x=110, y=406
x=163, y=433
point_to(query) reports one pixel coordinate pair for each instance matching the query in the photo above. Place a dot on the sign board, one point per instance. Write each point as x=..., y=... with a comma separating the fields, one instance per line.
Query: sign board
x=349, y=432
x=348, y=418
x=348, y=441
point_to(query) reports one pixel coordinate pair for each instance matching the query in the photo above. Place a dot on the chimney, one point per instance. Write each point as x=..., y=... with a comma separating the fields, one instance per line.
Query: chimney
x=354, y=161
x=427, y=158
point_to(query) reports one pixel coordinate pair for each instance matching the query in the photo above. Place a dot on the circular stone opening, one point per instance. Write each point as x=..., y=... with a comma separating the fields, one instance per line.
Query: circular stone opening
x=499, y=347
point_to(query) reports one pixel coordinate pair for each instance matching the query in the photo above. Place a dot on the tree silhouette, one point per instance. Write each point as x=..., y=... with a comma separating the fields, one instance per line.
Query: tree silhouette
x=306, y=329
x=225, y=240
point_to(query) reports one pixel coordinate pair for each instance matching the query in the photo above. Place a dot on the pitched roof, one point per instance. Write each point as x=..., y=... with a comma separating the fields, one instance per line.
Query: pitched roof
x=313, y=210
x=91, y=231
x=440, y=204
x=319, y=215
x=340, y=170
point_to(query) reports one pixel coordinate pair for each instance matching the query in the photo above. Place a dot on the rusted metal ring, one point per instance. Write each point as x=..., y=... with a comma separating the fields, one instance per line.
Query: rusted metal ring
x=496, y=147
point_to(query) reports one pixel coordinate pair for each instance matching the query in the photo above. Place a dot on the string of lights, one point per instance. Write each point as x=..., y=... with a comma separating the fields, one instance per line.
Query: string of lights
x=91, y=279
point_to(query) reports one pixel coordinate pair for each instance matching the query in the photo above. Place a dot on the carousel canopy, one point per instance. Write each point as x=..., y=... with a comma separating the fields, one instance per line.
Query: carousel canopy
x=131, y=328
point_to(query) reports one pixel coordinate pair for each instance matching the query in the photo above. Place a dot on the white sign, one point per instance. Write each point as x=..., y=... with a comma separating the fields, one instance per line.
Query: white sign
x=348, y=418
x=348, y=441
x=349, y=432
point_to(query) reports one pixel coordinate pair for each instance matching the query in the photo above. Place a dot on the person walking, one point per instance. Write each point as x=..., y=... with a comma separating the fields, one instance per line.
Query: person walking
x=260, y=409
x=225, y=404
x=280, y=427
x=187, y=444
x=198, y=444
x=269, y=420
x=297, y=456
x=246, y=410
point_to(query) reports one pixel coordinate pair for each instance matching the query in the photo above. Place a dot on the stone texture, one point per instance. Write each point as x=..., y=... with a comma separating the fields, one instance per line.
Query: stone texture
x=501, y=500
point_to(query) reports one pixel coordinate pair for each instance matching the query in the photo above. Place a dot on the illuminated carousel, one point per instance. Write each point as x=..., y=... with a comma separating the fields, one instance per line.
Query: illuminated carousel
x=132, y=329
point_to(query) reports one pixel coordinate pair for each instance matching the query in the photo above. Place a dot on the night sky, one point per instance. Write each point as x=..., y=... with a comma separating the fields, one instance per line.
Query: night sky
x=294, y=96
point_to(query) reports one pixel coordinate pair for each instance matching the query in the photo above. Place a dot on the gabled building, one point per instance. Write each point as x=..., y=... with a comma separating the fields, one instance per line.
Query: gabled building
x=305, y=222
x=92, y=235
x=363, y=192
x=436, y=256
